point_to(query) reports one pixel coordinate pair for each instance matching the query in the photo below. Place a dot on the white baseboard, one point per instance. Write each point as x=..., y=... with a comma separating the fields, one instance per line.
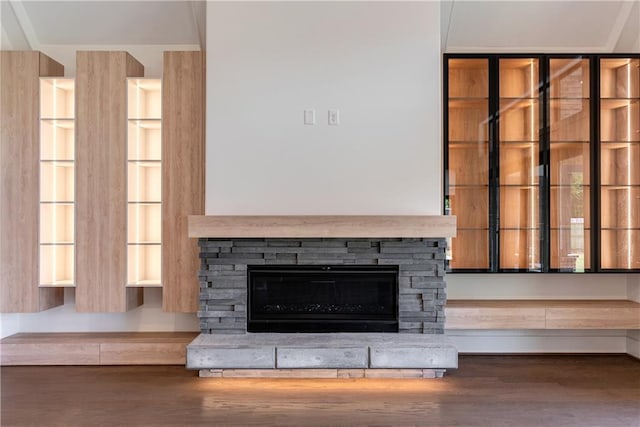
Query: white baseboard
x=633, y=343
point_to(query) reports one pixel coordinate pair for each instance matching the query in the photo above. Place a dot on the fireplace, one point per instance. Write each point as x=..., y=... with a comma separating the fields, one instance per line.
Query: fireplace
x=416, y=264
x=306, y=296
x=322, y=298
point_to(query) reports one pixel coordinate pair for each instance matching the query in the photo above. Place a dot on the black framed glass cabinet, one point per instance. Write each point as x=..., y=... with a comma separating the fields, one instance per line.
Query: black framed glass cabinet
x=542, y=162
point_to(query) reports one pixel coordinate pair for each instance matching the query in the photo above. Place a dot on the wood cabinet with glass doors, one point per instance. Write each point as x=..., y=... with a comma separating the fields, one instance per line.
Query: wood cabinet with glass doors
x=619, y=163
x=468, y=159
x=532, y=154
x=569, y=172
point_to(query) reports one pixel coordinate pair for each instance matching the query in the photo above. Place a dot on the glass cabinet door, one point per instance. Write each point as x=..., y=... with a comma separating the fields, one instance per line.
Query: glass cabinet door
x=620, y=163
x=569, y=142
x=519, y=163
x=468, y=161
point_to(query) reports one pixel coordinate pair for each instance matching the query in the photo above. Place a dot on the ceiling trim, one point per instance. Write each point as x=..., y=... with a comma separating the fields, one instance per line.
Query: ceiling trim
x=621, y=21
x=25, y=24
x=526, y=49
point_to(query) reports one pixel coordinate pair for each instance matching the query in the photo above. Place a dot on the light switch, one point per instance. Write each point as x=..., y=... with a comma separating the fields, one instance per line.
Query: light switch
x=334, y=117
x=309, y=117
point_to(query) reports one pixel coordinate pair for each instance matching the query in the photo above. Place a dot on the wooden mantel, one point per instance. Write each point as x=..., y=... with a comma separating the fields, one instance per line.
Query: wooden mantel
x=319, y=226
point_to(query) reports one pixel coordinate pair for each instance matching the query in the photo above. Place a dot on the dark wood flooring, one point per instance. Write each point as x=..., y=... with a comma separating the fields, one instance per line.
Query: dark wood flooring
x=484, y=391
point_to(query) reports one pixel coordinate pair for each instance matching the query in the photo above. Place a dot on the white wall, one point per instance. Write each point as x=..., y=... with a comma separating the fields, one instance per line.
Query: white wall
x=146, y=318
x=379, y=63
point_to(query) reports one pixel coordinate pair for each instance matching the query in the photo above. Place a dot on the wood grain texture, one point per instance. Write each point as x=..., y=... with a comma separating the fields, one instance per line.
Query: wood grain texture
x=494, y=318
x=182, y=176
x=50, y=354
x=346, y=226
x=143, y=353
x=542, y=314
x=522, y=391
x=19, y=182
x=101, y=246
x=604, y=317
x=126, y=348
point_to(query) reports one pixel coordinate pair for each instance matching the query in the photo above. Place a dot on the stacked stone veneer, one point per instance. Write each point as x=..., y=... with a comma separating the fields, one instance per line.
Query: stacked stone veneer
x=223, y=275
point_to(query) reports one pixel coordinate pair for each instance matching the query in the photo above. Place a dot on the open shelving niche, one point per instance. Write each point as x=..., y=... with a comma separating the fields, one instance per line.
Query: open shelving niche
x=144, y=182
x=57, y=182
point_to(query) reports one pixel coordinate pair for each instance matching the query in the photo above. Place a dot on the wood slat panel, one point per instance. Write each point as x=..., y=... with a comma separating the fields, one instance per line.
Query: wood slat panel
x=50, y=354
x=182, y=176
x=19, y=182
x=349, y=226
x=101, y=190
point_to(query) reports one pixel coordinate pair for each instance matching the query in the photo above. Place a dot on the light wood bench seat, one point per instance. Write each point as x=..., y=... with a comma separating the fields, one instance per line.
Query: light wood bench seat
x=100, y=348
x=542, y=314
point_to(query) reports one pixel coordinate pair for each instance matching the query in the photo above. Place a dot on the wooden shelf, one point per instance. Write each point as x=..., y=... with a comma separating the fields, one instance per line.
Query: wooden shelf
x=140, y=348
x=542, y=314
x=322, y=226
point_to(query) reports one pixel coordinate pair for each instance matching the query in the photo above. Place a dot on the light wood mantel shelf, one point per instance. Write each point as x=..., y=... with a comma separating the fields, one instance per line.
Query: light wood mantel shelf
x=318, y=226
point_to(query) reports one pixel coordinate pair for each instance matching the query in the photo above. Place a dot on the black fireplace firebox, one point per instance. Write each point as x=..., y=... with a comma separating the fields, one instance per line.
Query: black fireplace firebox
x=312, y=298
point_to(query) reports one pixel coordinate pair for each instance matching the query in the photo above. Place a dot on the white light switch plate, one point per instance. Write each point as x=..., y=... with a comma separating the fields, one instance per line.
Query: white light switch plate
x=309, y=117
x=334, y=117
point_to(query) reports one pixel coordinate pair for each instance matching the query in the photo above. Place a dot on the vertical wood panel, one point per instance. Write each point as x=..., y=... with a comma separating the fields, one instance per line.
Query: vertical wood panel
x=19, y=182
x=101, y=246
x=182, y=176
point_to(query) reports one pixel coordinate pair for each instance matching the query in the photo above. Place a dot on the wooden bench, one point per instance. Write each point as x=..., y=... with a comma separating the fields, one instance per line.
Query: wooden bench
x=136, y=348
x=542, y=314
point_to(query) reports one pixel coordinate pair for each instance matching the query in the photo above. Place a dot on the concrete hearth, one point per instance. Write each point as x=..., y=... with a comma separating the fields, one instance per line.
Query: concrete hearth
x=322, y=351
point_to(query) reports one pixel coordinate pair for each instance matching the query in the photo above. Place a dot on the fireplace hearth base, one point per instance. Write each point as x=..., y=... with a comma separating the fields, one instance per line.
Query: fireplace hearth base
x=368, y=353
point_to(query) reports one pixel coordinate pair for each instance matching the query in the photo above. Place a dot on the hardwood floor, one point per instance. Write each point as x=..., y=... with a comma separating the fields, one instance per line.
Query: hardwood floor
x=484, y=391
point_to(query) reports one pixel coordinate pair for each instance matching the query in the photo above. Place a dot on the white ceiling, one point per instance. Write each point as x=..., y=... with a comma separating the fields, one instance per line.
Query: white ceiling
x=109, y=22
x=535, y=26
x=467, y=25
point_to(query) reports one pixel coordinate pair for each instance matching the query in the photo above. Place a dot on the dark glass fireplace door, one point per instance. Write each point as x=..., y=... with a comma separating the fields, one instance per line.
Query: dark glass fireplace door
x=322, y=299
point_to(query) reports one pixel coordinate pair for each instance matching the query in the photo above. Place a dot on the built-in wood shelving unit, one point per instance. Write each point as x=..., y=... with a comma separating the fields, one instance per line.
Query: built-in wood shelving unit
x=20, y=154
x=101, y=181
x=543, y=162
x=183, y=154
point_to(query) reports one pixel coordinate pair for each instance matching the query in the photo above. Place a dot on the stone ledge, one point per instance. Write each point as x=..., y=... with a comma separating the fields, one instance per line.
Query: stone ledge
x=321, y=351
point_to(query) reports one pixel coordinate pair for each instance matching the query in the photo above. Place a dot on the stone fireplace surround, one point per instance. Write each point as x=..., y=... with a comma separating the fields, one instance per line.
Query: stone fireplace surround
x=229, y=244
x=223, y=275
